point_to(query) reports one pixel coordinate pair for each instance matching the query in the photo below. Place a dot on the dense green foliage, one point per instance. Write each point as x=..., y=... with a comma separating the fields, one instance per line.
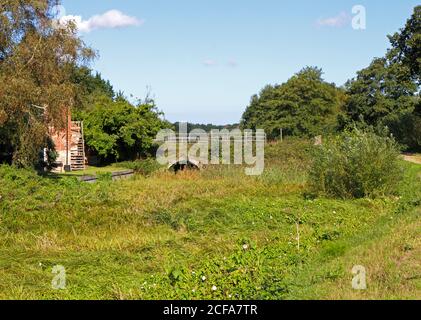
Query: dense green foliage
x=356, y=164
x=292, y=233
x=380, y=94
x=90, y=87
x=406, y=45
x=115, y=129
x=118, y=130
x=387, y=92
x=305, y=105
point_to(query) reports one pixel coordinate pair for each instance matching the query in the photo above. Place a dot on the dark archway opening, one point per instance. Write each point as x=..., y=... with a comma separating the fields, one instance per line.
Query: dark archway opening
x=184, y=166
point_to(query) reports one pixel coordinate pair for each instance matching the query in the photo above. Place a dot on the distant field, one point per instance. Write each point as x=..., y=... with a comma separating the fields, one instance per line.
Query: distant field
x=215, y=234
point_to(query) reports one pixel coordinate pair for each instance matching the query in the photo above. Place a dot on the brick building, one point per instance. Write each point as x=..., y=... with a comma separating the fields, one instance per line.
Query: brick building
x=70, y=146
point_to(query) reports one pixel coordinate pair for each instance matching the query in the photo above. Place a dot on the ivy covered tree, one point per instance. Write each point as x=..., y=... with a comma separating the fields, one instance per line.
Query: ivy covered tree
x=305, y=105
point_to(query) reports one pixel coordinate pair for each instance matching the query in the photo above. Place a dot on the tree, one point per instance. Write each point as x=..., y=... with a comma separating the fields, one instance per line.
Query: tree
x=387, y=92
x=36, y=59
x=118, y=130
x=380, y=93
x=406, y=45
x=305, y=105
x=89, y=87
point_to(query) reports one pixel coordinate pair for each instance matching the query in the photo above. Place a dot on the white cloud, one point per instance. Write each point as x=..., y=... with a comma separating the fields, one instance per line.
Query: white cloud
x=110, y=19
x=341, y=20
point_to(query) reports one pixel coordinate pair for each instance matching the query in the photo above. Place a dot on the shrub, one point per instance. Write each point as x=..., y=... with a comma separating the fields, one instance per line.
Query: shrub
x=118, y=130
x=144, y=167
x=356, y=164
x=291, y=152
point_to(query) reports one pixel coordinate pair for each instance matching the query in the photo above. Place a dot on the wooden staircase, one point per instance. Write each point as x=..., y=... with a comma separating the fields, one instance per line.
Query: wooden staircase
x=77, y=151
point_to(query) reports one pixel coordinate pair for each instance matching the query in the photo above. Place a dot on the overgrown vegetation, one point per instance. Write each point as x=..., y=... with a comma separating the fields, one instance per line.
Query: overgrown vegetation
x=292, y=233
x=177, y=236
x=356, y=164
x=144, y=167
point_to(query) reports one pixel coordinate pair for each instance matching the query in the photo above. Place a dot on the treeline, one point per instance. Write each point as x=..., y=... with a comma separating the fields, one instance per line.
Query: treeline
x=206, y=127
x=385, y=94
x=44, y=75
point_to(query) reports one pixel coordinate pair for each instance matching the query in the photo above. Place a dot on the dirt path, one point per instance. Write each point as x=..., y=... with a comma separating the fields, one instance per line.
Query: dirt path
x=413, y=158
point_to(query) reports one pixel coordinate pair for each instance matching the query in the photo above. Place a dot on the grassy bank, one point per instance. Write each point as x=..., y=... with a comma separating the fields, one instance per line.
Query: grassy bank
x=210, y=234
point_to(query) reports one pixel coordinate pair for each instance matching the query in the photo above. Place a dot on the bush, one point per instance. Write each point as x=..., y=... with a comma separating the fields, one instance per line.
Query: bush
x=118, y=130
x=356, y=164
x=144, y=167
x=292, y=151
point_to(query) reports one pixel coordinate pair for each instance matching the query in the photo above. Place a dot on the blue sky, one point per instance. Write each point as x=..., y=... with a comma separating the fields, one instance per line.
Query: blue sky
x=204, y=59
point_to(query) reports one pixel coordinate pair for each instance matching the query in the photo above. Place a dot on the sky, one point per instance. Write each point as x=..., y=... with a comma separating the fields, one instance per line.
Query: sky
x=202, y=60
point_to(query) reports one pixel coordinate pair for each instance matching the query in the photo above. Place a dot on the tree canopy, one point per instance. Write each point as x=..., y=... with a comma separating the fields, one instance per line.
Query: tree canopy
x=89, y=87
x=387, y=92
x=305, y=105
x=406, y=45
x=380, y=93
x=118, y=130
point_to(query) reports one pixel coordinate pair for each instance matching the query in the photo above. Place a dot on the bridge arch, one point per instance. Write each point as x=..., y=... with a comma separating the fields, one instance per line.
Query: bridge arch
x=182, y=165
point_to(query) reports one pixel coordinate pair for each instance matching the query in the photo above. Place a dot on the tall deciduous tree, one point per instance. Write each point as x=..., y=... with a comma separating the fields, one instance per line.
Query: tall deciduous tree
x=387, y=92
x=381, y=93
x=305, y=105
x=90, y=87
x=406, y=45
x=37, y=56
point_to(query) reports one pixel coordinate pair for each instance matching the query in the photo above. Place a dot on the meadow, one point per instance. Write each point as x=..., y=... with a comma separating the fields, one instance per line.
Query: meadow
x=210, y=234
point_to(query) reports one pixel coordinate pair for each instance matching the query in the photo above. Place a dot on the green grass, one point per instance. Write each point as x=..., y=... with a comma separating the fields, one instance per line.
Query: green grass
x=156, y=237
x=93, y=171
